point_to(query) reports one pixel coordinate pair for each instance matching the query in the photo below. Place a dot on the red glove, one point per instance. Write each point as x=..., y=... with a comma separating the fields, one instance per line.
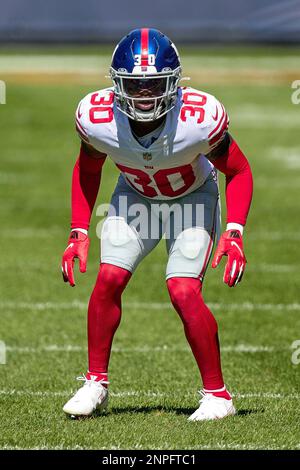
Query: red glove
x=78, y=247
x=231, y=245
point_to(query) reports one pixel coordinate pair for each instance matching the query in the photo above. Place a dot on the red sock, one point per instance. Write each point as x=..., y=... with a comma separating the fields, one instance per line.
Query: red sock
x=222, y=393
x=104, y=315
x=200, y=328
x=97, y=376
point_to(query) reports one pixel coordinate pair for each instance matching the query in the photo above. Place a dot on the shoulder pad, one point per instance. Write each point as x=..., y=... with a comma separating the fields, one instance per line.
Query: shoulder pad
x=209, y=116
x=94, y=108
x=217, y=122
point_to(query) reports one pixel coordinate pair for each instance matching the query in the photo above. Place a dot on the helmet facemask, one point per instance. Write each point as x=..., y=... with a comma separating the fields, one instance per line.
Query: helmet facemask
x=145, y=97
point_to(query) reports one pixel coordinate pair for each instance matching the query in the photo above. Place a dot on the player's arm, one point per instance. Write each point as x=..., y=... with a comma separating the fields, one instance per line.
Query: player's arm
x=228, y=158
x=85, y=186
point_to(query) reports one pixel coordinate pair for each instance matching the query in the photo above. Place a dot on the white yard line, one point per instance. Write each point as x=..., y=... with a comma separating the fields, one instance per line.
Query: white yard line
x=287, y=156
x=16, y=179
x=269, y=235
x=28, y=232
x=7, y=447
x=147, y=393
x=243, y=306
x=255, y=267
x=237, y=446
x=77, y=304
x=240, y=348
x=85, y=64
x=274, y=268
x=270, y=268
x=167, y=446
x=257, y=116
x=53, y=64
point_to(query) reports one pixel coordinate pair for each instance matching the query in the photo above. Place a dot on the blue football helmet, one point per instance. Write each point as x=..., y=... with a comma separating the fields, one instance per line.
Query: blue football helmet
x=145, y=71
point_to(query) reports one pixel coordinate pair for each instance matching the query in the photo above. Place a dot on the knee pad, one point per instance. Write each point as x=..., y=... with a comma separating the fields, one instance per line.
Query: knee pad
x=191, y=242
x=120, y=243
x=190, y=254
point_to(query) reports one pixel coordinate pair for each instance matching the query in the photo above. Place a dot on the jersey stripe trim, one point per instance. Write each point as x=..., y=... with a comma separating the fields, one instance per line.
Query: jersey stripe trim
x=82, y=135
x=144, y=46
x=210, y=245
x=221, y=132
x=80, y=127
x=79, y=114
x=211, y=134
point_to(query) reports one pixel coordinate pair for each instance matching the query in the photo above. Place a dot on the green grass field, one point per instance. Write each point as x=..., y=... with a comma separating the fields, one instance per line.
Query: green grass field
x=154, y=379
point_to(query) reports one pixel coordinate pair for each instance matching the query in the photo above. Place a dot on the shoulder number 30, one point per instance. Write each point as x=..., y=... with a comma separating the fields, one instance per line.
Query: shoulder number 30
x=193, y=106
x=101, y=110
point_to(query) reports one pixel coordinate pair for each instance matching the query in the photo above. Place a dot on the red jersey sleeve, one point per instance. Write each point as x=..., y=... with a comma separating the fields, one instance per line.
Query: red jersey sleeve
x=85, y=186
x=239, y=183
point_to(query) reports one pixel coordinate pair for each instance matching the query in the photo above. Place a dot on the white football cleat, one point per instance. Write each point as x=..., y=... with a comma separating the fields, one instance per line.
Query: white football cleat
x=90, y=397
x=212, y=407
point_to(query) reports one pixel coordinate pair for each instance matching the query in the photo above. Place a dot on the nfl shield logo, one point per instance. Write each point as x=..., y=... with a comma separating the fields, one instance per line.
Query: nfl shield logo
x=147, y=156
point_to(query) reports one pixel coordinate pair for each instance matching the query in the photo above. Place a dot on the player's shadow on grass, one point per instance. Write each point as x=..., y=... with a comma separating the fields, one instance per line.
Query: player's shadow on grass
x=172, y=409
x=249, y=412
x=152, y=409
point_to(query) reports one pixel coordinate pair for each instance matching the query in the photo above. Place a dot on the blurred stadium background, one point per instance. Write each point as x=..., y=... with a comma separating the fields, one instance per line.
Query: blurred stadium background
x=93, y=20
x=51, y=55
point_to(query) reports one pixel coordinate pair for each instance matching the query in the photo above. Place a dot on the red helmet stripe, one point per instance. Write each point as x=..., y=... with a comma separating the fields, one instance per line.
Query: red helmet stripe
x=145, y=45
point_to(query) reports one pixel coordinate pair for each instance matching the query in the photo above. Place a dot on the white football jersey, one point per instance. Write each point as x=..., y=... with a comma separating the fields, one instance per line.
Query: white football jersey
x=174, y=164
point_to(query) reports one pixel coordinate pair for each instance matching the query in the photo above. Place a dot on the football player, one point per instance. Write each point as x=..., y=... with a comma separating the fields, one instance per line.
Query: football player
x=167, y=141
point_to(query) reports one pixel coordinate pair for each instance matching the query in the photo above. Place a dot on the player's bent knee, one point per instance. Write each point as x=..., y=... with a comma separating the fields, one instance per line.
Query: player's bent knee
x=181, y=290
x=189, y=254
x=111, y=279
